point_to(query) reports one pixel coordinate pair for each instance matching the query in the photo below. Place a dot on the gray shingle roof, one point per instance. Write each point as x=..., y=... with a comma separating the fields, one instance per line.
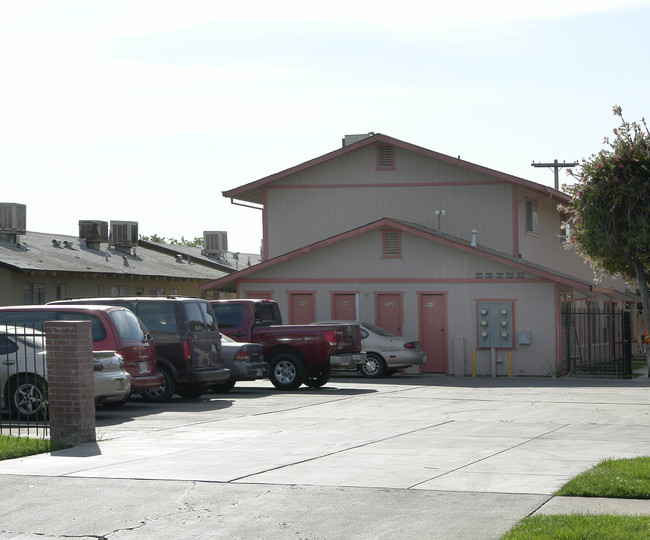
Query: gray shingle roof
x=60, y=253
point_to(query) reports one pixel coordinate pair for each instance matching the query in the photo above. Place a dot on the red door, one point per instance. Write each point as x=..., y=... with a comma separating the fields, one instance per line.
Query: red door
x=301, y=308
x=344, y=306
x=433, y=331
x=389, y=312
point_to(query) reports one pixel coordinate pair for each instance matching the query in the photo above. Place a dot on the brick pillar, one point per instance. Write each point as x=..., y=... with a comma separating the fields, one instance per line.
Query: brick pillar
x=70, y=379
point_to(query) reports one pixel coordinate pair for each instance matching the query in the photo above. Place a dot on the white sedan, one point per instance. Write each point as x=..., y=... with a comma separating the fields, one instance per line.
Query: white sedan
x=385, y=352
x=23, y=373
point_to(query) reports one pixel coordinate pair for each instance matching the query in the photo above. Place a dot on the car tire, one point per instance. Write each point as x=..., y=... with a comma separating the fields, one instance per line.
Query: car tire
x=191, y=391
x=286, y=372
x=162, y=393
x=28, y=397
x=373, y=366
x=318, y=380
x=222, y=388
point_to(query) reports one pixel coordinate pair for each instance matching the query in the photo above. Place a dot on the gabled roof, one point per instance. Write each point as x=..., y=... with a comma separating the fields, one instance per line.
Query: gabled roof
x=253, y=191
x=411, y=228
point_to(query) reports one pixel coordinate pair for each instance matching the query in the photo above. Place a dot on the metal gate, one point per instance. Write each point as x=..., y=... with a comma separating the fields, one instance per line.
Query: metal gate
x=23, y=390
x=596, y=341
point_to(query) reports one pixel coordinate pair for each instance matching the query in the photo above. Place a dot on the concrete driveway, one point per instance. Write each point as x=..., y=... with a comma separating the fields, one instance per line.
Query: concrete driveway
x=402, y=457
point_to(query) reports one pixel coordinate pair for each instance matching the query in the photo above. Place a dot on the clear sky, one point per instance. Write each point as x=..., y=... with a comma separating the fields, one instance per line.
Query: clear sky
x=146, y=110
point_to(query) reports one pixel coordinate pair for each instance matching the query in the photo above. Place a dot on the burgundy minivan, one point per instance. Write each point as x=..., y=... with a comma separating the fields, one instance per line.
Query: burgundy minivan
x=113, y=328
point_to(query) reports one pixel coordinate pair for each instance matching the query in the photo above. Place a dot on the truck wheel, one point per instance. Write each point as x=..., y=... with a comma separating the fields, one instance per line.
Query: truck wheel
x=162, y=393
x=286, y=372
x=28, y=397
x=319, y=379
x=373, y=366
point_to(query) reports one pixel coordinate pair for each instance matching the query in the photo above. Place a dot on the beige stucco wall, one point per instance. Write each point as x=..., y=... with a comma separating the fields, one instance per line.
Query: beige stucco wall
x=356, y=266
x=348, y=192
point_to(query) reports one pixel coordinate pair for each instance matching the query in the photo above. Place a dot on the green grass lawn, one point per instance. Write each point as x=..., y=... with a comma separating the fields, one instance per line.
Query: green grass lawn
x=617, y=478
x=579, y=527
x=14, y=447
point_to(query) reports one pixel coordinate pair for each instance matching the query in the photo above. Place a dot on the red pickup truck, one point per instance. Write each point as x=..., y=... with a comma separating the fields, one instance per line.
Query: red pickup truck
x=296, y=354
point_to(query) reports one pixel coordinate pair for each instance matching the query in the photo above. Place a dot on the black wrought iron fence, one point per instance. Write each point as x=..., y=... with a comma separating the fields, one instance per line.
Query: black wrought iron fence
x=596, y=342
x=23, y=386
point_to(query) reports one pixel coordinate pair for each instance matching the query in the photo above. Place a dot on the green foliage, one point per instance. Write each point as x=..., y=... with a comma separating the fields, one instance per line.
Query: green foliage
x=617, y=478
x=197, y=242
x=580, y=526
x=610, y=203
x=14, y=447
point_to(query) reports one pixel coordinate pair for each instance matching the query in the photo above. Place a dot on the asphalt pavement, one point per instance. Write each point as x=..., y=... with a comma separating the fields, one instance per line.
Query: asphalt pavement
x=410, y=456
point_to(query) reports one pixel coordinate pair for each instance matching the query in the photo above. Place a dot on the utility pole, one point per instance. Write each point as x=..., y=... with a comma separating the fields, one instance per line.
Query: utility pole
x=556, y=166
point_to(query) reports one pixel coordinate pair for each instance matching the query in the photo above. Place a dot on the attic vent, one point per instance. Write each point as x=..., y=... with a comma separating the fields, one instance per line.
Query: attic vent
x=385, y=156
x=124, y=233
x=13, y=218
x=391, y=243
x=215, y=242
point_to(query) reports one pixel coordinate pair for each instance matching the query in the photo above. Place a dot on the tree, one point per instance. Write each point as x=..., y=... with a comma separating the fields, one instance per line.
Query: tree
x=197, y=242
x=610, y=207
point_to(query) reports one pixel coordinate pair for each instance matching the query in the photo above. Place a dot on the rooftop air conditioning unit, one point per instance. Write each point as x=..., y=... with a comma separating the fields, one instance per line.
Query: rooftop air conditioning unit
x=124, y=234
x=215, y=242
x=13, y=218
x=93, y=231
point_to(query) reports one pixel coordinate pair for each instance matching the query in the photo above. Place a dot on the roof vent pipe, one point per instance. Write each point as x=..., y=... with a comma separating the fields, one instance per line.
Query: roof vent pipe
x=474, y=233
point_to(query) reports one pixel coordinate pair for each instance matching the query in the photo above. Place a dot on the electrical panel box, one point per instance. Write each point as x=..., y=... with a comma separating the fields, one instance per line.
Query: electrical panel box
x=495, y=325
x=523, y=338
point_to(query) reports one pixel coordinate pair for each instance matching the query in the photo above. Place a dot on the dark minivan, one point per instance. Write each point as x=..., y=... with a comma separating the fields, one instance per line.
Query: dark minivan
x=112, y=329
x=187, y=339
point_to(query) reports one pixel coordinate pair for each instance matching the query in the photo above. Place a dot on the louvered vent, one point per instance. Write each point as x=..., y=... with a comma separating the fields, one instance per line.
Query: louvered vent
x=385, y=157
x=124, y=233
x=215, y=242
x=13, y=218
x=93, y=231
x=391, y=243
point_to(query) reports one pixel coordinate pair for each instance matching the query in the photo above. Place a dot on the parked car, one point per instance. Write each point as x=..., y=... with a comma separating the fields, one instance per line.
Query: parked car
x=296, y=354
x=23, y=373
x=187, y=340
x=386, y=352
x=244, y=360
x=113, y=329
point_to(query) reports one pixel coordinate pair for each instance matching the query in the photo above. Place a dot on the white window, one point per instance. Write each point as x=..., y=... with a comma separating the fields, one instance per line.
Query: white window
x=531, y=217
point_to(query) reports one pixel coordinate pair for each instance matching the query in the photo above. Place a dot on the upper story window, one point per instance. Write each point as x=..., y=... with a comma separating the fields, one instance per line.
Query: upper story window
x=565, y=227
x=391, y=242
x=531, y=217
x=385, y=157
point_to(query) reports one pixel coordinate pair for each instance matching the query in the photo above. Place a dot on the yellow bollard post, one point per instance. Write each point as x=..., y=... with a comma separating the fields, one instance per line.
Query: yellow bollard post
x=474, y=364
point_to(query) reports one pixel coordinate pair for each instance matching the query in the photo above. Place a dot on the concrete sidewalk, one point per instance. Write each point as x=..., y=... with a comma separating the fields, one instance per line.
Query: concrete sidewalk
x=404, y=457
